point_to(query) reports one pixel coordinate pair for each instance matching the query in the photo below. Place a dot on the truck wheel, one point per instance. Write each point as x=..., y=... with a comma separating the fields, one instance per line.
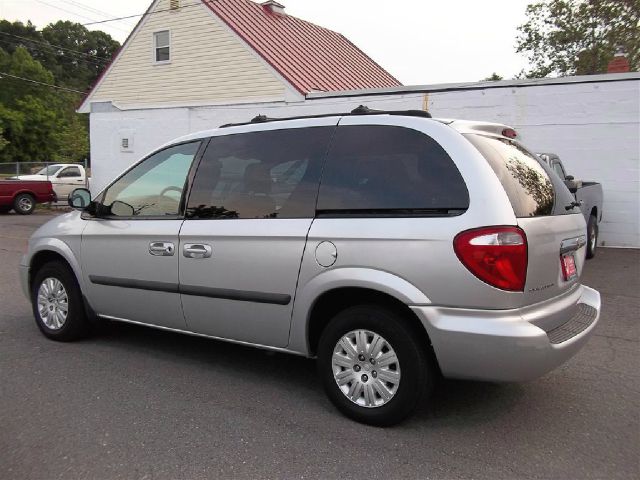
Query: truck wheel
x=57, y=303
x=592, y=236
x=373, y=366
x=24, y=204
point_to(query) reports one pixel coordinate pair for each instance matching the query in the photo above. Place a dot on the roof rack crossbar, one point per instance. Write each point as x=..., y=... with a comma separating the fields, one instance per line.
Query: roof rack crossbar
x=360, y=110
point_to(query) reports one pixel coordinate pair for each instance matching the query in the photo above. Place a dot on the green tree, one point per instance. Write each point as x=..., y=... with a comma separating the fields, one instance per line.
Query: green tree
x=579, y=37
x=21, y=64
x=75, y=55
x=73, y=140
x=3, y=142
x=39, y=123
x=31, y=131
x=35, y=118
x=83, y=53
x=494, y=77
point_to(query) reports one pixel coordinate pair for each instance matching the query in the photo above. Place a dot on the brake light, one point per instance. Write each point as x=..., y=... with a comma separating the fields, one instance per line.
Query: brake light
x=509, y=133
x=496, y=255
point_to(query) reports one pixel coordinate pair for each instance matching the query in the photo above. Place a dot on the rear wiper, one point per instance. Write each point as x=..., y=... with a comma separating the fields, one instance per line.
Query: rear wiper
x=572, y=205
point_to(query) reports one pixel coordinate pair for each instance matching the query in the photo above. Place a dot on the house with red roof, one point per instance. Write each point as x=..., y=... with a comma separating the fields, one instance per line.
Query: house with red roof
x=192, y=65
x=208, y=52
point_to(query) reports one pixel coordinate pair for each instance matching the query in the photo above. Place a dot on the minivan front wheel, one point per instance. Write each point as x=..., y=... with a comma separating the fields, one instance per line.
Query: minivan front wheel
x=373, y=366
x=57, y=303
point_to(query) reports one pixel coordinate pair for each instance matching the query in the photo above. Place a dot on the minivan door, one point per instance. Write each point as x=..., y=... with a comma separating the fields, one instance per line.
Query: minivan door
x=250, y=209
x=130, y=250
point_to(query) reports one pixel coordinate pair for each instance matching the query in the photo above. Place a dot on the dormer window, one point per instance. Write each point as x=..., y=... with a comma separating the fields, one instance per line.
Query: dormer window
x=162, y=46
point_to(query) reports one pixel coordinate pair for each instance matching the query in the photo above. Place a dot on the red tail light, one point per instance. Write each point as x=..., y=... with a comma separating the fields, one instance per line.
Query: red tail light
x=509, y=133
x=496, y=255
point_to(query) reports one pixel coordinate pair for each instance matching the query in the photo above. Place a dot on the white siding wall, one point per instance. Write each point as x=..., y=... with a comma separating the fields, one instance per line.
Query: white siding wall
x=594, y=128
x=208, y=63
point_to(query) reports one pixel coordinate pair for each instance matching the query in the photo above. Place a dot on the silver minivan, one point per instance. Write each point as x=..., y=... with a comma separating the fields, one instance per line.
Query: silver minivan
x=390, y=246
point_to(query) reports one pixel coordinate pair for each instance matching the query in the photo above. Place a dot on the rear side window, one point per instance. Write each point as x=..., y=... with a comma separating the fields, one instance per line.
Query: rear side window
x=269, y=174
x=525, y=181
x=378, y=170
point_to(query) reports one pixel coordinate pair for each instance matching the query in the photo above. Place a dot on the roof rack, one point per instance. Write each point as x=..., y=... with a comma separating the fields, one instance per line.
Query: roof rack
x=360, y=110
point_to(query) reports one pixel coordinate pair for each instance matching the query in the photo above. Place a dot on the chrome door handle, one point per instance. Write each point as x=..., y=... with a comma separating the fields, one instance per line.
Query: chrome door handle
x=196, y=250
x=162, y=249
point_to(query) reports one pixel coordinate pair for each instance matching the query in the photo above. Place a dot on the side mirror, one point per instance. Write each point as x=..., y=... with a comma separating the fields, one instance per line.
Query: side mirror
x=569, y=177
x=122, y=209
x=79, y=199
x=571, y=185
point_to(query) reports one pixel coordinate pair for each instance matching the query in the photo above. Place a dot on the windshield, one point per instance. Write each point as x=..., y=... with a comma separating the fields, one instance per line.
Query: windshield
x=50, y=170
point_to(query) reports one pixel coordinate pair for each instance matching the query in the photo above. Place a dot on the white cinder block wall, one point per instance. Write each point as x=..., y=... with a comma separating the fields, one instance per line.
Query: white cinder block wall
x=593, y=127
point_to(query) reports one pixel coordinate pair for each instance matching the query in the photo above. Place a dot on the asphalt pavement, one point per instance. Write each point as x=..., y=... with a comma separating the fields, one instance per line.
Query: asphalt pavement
x=138, y=403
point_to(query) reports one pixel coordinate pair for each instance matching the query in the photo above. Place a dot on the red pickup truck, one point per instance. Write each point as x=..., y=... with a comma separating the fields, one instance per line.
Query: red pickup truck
x=22, y=195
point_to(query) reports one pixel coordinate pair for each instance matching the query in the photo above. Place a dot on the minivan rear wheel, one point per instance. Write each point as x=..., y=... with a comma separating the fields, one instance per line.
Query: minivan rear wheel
x=374, y=367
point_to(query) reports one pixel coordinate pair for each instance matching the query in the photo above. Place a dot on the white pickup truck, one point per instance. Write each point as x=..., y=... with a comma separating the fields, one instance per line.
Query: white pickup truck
x=65, y=177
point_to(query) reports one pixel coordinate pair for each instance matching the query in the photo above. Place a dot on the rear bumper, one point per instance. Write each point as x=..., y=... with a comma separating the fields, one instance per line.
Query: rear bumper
x=511, y=345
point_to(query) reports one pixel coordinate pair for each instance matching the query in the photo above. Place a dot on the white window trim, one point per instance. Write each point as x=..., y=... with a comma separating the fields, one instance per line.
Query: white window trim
x=153, y=47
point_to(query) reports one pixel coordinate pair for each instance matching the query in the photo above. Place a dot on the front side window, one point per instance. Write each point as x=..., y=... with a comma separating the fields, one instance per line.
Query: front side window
x=162, y=47
x=381, y=169
x=154, y=187
x=270, y=174
x=559, y=170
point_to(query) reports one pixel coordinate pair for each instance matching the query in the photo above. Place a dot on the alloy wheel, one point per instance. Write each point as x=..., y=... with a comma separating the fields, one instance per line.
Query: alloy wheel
x=366, y=368
x=53, y=303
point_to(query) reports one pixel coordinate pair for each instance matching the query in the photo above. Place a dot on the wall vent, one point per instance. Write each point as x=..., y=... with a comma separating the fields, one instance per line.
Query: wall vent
x=174, y=4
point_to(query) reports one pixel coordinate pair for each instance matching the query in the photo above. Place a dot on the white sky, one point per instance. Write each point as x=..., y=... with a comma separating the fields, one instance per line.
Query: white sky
x=417, y=41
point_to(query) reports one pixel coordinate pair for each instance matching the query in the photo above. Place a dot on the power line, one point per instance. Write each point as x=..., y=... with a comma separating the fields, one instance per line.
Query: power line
x=88, y=8
x=3, y=74
x=47, y=44
x=143, y=14
x=78, y=15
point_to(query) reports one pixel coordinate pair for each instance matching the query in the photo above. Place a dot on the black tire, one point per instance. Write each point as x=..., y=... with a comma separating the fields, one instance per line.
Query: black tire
x=415, y=364
x=76, y=324
x=24, y=204
x=592, y=236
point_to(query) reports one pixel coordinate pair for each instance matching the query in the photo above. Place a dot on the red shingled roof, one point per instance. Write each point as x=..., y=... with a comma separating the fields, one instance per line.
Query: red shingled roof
x=308, y=56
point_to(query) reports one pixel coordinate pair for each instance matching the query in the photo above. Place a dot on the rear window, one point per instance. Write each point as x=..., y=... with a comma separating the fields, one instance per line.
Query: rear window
x=378, y=170
x=526, y=182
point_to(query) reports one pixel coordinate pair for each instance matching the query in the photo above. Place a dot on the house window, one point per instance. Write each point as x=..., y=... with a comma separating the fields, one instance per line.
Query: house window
x=161, y=43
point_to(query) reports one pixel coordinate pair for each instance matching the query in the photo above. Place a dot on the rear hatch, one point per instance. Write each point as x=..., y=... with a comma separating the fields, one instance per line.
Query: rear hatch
x=554, y=226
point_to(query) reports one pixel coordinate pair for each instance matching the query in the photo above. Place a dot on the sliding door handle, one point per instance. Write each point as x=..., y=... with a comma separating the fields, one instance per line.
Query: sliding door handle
x=196, y=250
